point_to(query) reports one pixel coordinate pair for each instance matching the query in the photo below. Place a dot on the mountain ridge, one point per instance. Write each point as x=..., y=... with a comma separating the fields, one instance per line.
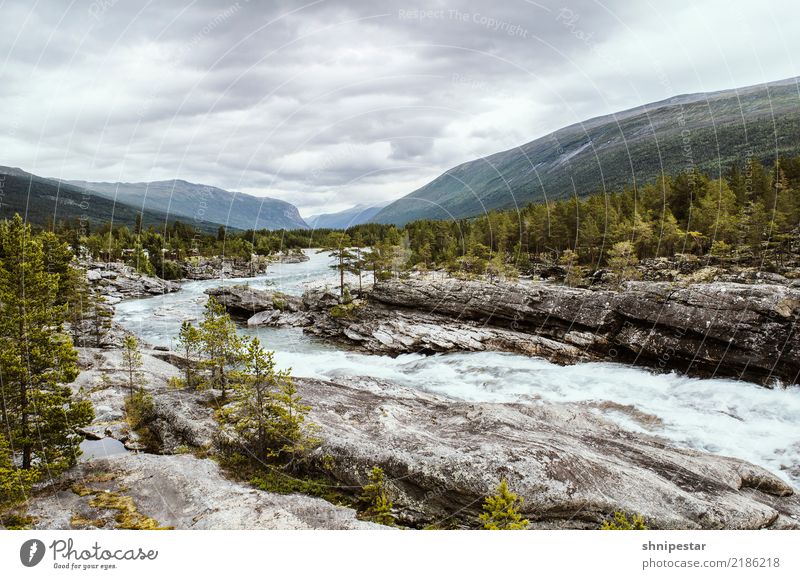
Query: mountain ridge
x=41, y=201
x=201, y=203
x=629, y=147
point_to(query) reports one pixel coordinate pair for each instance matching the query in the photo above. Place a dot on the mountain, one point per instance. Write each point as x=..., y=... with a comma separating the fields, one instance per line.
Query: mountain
x=706, y=130
x=42, y=200
x=196, y=204
x=357, y=215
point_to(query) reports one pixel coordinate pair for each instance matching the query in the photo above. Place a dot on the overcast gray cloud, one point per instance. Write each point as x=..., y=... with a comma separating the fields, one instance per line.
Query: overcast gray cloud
x=329, y=104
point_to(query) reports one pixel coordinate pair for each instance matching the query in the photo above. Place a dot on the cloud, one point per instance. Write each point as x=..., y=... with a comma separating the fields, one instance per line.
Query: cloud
x=329, y=104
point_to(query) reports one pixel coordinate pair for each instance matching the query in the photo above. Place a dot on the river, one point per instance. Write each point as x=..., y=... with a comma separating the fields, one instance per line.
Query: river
x=722, y=416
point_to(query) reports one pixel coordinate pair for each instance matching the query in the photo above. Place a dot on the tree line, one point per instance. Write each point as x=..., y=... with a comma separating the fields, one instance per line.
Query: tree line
x=749, y=212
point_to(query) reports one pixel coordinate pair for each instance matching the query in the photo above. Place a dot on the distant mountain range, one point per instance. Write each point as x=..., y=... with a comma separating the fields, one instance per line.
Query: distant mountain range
x=194, y=203
x=706, y=130
x=43, y=200
x=357, y=215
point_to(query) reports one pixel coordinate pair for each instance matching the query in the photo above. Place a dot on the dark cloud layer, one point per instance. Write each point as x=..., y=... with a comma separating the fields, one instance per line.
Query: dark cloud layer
x=329, y=104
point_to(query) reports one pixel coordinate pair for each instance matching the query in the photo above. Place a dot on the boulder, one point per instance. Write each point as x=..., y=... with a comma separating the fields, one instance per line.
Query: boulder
x=243, y=300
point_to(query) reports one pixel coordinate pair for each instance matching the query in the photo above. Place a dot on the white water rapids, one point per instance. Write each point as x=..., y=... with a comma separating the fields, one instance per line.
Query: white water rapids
x=725, y=417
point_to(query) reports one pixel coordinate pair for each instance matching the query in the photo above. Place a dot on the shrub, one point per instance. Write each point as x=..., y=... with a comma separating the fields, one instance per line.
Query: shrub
x=621, y=522
x=374, y=499
x=622, y=260
x=278, y=302
x=501, y=511
x=176, y=383
x=139, y=409
x=275, y=480
x=720, y=249
x=343, y=310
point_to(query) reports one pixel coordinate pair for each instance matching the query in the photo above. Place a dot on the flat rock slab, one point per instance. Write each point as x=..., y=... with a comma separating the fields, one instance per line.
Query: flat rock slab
x=183, y=492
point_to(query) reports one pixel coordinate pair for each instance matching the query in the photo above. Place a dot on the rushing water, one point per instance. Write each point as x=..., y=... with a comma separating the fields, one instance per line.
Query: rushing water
x=721, y=416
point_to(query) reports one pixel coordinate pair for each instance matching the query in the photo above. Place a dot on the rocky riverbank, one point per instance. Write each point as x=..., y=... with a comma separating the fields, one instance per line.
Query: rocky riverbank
x=441, y=457
x=725, y=329
x=117, y=281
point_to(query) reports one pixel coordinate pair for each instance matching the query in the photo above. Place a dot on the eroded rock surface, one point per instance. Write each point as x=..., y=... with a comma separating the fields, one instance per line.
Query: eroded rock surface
x=573, y=468
x=441, y=458
x=723, y=329
x=183, y=492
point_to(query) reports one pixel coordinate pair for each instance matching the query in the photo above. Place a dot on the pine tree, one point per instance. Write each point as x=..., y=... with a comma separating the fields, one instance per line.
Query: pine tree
x=501, y=511
x=79, y=304
x=132, y=363
x=338, y=243
x=101, y=316
x=190, y=341
x=220, y=344
x=37, y=358
x=575, y=273
x=375, y=500
x=378, y=259
x=140, y=261
x=267, y=413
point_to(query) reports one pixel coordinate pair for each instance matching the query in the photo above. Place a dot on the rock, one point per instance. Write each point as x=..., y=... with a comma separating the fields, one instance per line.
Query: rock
x=382, y=331
x=277, y=318
x=117, y=281
x=178, y=421
x=243, y=300
x=441, y=457
x=723, y=329
x=92, y=432
x=183, y=492
x=319, y=299
x=218, y=267
x=572, y=467
x=290, y=258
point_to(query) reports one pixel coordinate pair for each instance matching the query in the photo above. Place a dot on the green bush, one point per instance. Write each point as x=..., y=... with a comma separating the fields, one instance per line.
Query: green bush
x=275, y=480
x=176, y=383
x=139, y=409
x=501, y=511
x=375, y=500
x=279, y=302
x=621, y=522
x=343, y=310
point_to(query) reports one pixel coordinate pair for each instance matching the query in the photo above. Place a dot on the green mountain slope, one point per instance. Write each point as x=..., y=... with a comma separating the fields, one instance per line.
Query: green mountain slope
x=196, y=203
x=708, y=131
x=42, y=201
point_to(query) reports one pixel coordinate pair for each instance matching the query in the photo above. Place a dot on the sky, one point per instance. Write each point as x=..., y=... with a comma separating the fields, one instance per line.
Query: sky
x=331, y=104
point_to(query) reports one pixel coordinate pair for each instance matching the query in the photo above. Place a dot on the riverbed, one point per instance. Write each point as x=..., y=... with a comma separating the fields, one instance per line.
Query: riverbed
x=722, y=416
